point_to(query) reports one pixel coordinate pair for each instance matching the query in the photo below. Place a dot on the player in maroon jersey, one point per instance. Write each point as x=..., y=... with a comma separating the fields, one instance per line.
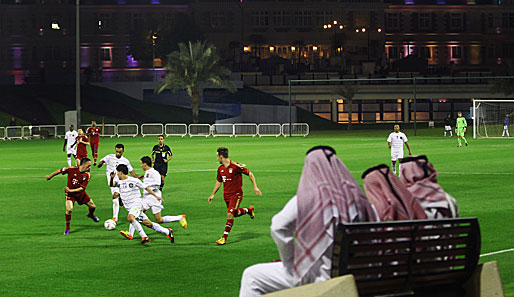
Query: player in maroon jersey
x=82, y=141
x=93, y=133
x=78, y=178
x=230, y=174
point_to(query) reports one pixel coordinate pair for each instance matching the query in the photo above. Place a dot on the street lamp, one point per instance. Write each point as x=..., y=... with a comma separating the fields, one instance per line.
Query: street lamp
x=154, y=40
x=367, y=30
x=334, y=26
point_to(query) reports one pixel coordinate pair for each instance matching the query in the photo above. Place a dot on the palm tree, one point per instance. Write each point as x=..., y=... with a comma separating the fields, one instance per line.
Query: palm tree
x=192, y=66
x=348, y=92
x=505, y=86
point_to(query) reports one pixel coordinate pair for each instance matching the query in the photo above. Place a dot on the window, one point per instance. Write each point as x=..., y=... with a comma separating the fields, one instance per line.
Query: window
x=393, y=52
x=424, y=21
x=281, y=18
x=323, y=17
x=260, y=19
x=456, y=20
x=490, y=20
x=456, y=52
x=392, y=21
x=105, y=54
x=104, y=21
x=508, y=20
x=302, y=19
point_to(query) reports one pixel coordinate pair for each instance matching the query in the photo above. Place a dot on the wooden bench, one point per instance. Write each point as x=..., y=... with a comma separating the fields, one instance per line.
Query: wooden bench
x=423, y=258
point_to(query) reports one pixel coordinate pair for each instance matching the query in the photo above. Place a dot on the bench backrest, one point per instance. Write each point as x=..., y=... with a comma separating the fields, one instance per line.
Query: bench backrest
x=401, y=256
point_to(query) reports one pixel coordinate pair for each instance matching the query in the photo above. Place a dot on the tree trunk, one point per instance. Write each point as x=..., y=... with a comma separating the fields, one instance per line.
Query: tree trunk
x=350, y=101
x=195, y=105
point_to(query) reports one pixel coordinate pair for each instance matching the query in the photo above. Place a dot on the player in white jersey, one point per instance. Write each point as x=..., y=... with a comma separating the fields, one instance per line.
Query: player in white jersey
x=69, y=144
x=113, y=160
x=131, y=197
x=395, y=143
x=152, y=180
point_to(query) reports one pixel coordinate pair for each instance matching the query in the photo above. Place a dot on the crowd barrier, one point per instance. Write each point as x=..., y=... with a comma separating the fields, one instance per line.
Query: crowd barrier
x=155, y=129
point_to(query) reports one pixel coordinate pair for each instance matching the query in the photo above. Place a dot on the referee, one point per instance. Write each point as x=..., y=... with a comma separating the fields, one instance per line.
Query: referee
x=161, y=154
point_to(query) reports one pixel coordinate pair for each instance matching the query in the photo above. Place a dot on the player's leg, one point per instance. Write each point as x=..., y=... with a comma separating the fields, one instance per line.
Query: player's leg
x=69, y=210
x=68, y=159
x=400, y=167
x=92, y=208
x=507, y=130
x=132, y=220
x=265, y=278
x=393, y=165
x=444, y=131
x=115, y=204
x=464, y=138
x=94, y=150
x=166, y=231
x=243, y=210
x=232, y=204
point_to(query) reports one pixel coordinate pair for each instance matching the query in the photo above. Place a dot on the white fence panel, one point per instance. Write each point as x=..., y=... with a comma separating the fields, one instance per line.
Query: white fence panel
x=175, y=130
x=14, y=132
x=61, y=131
x=297, y=129
x=130, y=130
x=222, y=130
x=199, y=130
x=245, y=130
x=155, y=129
x=43, y=131
x=109, y=130
x=269, y=130
x=2, y=133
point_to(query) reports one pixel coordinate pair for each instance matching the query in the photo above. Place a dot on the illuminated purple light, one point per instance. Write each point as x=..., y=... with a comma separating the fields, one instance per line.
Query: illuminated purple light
x=84, y=56
x=122, y=2
x=156, y=2
x=408, y=2
x=17, y=59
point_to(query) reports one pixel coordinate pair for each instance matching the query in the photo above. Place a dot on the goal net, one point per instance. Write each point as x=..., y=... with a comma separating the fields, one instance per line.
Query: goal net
x=492, y=118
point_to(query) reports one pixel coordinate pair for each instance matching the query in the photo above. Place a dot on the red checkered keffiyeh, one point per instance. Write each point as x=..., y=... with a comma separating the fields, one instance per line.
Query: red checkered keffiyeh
x=327, y=195
x=389, y=196
x=420, y=177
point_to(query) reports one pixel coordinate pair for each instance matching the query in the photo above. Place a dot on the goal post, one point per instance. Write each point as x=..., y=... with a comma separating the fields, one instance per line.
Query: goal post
x=492, y=118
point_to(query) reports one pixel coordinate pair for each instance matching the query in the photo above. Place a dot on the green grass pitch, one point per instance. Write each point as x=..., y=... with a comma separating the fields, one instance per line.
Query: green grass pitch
x=37, y=260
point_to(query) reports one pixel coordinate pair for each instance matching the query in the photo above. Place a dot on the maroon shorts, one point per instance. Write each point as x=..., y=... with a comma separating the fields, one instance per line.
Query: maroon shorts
x=82, y=198
x=233, y=200
x=80, y=156
x=94, y=145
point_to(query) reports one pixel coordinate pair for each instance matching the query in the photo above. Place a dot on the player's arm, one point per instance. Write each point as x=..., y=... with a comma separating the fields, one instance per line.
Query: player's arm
x=135, y=175
x=51, y=175
x=112, y=183
x=68, y=190
x=153, y=194
x=84, y=142
x=101, y=163
x=169, y=158
x=64, y=146
x=153, y=156
x=408, y=147
x=216, y=188
x=255, y=188
x=389, y=144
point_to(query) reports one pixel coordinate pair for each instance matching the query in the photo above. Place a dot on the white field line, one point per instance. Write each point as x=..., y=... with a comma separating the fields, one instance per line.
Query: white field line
x=498, y=252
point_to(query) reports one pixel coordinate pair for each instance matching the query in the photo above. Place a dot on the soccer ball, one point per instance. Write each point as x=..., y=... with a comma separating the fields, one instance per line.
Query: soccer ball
x=110, y=224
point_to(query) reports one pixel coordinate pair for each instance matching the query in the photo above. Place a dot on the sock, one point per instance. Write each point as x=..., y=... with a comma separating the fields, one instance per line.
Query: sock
x=400, y=170
x=460, y=142
x=131, y=230
x=465, y=141
x=69, y=161
x=451, y=133
x=92, y=211
x=115, y=208
x=240, y=212
x=167, y=219
x=503, y=134
x=394, y=169
x=160, y=229
x=139, y=229
x=228, y=227
x=445, y=133
x=161, y=186
x=508, y=135
x=95, y=156
x=68, y=220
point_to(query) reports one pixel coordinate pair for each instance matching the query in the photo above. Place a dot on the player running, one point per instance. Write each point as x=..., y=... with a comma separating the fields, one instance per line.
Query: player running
x=395, y=143
x=448, y=125
x=506, y=126
x=69, y=144
x=81, y=142
x=152, y=180
x=78, y=178
x=460, y=128
x=161, y=154
x=112, y=161
x=229, y=173
x=131, y=197
x=94, y=135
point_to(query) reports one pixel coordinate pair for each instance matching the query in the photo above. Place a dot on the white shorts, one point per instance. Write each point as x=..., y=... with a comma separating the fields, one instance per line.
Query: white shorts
x=137, y=211
x=71, y=151
x=116, y=180
x=505, y=127
x=396, y=154
x=447, y=128
x=150, y=202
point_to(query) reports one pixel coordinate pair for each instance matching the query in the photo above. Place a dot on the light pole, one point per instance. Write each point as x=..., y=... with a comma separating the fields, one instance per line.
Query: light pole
x=154, y=39
x=77, y=61
x=334, y=26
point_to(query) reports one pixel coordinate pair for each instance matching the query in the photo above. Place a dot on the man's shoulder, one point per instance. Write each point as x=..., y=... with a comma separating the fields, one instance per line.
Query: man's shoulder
x=239, y=165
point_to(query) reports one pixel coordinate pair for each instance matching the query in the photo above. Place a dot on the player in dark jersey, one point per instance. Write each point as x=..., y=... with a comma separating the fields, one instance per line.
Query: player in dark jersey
x=161, y=154
x=82, y=142
x=93, y=133
x=78, y=178
x=230, y=174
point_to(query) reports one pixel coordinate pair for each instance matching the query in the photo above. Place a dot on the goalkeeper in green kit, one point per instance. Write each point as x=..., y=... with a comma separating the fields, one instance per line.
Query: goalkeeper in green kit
x=461, y=129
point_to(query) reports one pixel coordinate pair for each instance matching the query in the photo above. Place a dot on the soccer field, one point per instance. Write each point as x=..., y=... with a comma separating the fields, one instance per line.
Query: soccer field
x=37, y=260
